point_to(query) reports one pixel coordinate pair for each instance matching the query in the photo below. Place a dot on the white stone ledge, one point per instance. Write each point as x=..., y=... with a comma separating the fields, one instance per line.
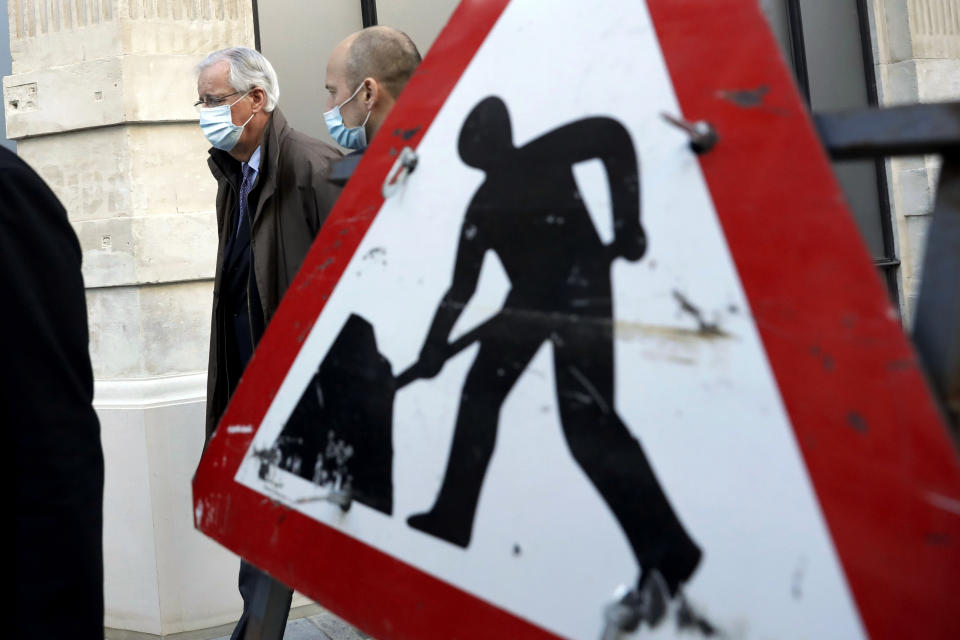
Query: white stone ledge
x=129, y=250
x=148, y=393
x=149, y=333
x=128, y=170
x=57, y=133
x=109, y=91
x=148, y=283
x=67, y=33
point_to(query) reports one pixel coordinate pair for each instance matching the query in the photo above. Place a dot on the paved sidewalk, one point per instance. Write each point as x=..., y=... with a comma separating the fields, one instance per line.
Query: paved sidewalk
x=322, y=626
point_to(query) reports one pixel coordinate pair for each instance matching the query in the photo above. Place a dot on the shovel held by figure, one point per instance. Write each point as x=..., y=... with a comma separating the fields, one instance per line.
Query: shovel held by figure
x=341, y=431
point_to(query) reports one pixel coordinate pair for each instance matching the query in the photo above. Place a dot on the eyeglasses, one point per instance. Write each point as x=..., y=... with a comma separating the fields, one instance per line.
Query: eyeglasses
x=212, y=102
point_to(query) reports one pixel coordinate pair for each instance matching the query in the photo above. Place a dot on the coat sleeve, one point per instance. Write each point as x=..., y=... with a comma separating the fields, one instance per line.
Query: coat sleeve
x=323, y=196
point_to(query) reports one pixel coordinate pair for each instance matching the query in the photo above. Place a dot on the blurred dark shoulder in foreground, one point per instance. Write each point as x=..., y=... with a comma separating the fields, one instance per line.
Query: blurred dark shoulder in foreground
x=46, y=393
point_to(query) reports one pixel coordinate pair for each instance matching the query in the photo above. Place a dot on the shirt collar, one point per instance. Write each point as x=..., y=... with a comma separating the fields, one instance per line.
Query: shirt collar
x=254, y=161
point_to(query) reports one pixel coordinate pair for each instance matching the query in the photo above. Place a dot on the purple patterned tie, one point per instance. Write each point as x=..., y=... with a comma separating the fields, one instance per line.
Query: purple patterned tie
x=245, y=185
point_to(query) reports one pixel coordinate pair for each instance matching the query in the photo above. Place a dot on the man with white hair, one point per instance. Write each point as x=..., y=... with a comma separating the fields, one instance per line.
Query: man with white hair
x=272, y=199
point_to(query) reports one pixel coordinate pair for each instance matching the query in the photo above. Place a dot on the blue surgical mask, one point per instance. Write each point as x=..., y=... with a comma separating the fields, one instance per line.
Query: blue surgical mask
x=217, y=125
x=347, y=137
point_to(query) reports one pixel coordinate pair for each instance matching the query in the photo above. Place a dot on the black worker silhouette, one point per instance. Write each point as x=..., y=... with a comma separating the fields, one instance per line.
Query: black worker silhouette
x=529, y=211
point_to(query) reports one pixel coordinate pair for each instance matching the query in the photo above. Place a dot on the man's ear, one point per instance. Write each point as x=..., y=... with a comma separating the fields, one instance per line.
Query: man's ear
x=370, y=93
x=258, y=99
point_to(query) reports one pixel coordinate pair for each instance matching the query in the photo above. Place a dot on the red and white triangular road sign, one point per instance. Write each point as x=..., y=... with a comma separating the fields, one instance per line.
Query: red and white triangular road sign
x=653, y=369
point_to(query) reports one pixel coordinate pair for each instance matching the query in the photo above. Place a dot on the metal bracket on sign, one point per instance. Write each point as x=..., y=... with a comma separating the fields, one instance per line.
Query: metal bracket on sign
x=703, y=137
x=401, y=169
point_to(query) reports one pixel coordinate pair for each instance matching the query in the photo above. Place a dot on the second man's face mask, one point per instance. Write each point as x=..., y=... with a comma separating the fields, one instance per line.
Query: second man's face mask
x=347, y=137
x=217, y=125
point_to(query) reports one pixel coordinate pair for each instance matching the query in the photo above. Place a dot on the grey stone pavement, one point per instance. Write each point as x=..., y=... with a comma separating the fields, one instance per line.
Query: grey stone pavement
x=322, y=626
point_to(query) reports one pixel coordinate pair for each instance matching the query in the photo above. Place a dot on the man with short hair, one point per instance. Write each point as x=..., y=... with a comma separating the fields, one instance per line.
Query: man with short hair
x=272, y=198
x=365, y=74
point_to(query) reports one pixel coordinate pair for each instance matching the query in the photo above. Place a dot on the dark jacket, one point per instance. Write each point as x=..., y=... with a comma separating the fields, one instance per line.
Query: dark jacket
x=288, y=205
x=46, y=390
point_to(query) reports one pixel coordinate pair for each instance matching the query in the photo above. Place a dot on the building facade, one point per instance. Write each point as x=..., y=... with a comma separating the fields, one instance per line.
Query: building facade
x=98, y=100
x=5, y=67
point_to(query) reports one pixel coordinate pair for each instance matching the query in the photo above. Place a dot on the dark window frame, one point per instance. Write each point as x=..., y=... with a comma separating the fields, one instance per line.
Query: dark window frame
x=256, y=26
x=368, y=13
x=889, y=263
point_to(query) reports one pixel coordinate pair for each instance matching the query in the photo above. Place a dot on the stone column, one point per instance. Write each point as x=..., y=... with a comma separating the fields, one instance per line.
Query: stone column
x=918, y=60
x=99, y=103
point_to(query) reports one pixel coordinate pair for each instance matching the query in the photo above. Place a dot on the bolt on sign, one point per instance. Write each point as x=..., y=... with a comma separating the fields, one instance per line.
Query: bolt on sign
x=608, y=360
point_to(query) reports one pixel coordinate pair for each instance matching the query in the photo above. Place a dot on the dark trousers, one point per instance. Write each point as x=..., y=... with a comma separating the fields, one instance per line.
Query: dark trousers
x=266, y=602
x=266, y=605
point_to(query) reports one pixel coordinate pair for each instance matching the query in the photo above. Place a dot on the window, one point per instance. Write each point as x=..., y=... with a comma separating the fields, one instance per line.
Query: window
x=828, y=45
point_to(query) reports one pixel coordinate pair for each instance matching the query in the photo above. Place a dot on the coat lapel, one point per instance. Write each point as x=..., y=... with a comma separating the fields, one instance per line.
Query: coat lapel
x=224, y=169
x=269, y=161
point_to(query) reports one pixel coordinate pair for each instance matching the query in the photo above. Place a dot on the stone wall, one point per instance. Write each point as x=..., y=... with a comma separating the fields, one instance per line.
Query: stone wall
x=99, y=103
x=917, y=53
x=5, y=70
